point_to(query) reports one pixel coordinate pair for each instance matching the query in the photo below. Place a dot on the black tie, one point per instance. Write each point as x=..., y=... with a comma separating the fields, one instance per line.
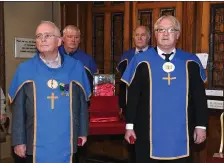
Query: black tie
x=140, y=51
x=167, y=56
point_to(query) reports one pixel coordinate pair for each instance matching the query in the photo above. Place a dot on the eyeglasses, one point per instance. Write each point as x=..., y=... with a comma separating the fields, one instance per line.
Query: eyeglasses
x=169, y=30
x=45, y=36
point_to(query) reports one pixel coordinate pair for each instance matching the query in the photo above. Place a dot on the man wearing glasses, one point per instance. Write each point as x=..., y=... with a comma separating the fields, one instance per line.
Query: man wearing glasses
x=166, y=108
x=49, y=94
x=71, y=40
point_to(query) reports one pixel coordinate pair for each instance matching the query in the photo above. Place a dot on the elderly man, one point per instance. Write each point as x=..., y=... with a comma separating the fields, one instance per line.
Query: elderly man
x=49, y=94
x=141, y=37
x=166, y=108
x=71, y=40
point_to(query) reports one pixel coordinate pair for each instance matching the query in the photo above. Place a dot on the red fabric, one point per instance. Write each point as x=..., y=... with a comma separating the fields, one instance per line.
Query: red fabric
x=104, y=116
x=103, y=103
x=215, y=160
x=106, y=89
x=109, y=128
x=108, y=119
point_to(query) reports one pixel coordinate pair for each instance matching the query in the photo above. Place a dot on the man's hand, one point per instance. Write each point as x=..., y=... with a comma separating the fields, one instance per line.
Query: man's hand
x=128, y=134
x=20, y=150
x=199, y=135
x=84, y=140
x=120, y=112
x=2, y=118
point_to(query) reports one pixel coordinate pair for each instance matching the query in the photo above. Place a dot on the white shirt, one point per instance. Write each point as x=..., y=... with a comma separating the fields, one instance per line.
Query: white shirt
x=144, y=49
x=2, y=102
x=160, y=52
x=130, y=126
x=53, y=64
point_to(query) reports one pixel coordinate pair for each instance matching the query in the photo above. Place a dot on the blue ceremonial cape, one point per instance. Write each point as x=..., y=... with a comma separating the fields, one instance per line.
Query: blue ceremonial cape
x=86, y=60
x=126, y=57
x=169, y=137
x=53, y=118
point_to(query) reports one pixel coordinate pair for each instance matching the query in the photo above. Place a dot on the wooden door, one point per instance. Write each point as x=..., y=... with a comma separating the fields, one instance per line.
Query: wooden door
x=74, y=13
x=146, y=13
x=108, y=30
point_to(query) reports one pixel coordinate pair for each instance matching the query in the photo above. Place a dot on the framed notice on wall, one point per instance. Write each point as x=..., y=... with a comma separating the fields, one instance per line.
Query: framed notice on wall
x=25, y=47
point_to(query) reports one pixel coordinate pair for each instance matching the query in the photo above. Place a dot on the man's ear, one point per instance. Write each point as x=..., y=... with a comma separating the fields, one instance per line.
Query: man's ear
x=178, y=35
x=59, y=41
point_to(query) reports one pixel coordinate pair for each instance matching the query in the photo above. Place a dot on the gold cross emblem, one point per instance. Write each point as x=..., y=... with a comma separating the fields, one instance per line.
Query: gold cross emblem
x=52, y=98
x=168, y=78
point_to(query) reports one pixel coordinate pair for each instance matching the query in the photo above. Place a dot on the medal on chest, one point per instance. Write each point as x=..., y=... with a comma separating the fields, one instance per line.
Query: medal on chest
x=168, y=67
x=53, y=84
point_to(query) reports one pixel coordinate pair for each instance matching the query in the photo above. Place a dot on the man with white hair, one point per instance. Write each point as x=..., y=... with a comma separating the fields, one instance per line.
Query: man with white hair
x=71, y=40
x=166, y=105
x=49, y=94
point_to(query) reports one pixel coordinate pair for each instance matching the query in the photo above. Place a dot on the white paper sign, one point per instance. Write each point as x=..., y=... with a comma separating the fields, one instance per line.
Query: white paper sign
x=214, y=93
x=25, y=47
x=203, y=58
x=215, y=104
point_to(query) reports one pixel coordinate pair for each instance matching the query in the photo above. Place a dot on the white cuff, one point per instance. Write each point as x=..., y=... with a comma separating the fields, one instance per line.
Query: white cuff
x=202, y=127
x=129, y=126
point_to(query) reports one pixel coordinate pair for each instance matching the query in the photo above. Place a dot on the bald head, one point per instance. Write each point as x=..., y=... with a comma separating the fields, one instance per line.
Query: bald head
x=48, y=38
x=50, y=25
x=141, y=36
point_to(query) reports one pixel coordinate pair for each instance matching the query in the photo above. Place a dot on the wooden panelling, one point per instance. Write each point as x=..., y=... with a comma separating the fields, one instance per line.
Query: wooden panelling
x=110, y=10
x=155, y=7
x=89, y=29
x=107, y=45
x=195, y=21
x=188, y=34
x=98, y=40
x=217, y=46
x=127, y=26
x=117, y=40
x=74, y=13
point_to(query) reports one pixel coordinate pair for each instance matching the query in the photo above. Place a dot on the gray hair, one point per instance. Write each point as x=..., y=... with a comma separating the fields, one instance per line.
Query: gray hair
x=71, y=27
x=176, y=23
x=57, y=31
x=146, y=29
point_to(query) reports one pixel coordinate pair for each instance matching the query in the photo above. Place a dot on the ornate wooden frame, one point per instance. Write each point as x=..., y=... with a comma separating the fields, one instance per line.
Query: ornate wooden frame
x=215, y=67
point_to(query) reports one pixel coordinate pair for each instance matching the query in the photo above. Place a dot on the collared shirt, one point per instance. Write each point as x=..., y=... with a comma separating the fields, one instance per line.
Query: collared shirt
x=160, y=52
x=130, y=126
x=53, y=64
x=144, y=49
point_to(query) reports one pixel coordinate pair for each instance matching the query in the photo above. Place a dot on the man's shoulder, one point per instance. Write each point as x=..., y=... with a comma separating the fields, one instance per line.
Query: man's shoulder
x=129, y=52
x=184, y=52
x=28, y=64
x=84, y=54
